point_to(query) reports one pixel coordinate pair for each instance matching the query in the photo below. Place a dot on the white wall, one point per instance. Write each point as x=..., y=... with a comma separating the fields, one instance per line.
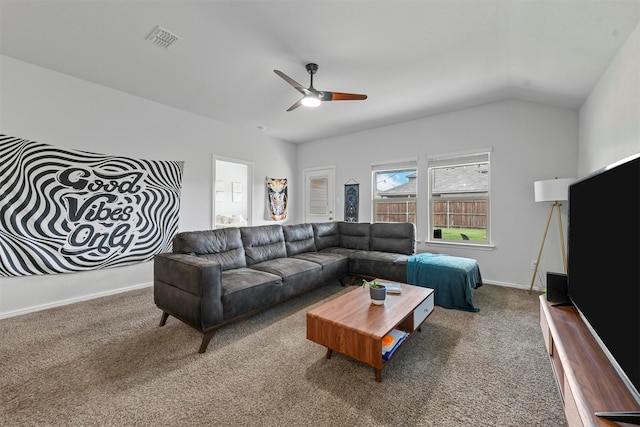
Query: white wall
x=610, y=117
x=53, y=108
x=530, y=142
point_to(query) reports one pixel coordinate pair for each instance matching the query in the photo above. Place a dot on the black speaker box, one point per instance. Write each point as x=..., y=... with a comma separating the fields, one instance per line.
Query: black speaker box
x=557, y=288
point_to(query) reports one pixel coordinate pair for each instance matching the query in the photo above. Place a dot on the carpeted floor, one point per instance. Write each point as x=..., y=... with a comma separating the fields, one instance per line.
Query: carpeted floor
x=106, y=362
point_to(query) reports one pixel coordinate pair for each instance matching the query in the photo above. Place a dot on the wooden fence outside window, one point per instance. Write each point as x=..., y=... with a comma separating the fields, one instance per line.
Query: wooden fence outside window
x=460, y=214
x=393, y=210
x=446, y=214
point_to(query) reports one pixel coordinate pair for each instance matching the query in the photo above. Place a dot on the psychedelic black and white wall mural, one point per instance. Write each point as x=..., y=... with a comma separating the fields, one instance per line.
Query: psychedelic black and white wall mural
x=278, y=198
x=64, y=211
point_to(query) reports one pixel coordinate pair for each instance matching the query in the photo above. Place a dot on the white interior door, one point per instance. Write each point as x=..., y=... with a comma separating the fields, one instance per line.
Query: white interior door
x=319, y=195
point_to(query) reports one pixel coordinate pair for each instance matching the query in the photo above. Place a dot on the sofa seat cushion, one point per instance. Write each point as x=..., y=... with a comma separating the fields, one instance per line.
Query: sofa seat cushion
x=384, y=265
x=288, y=268
x=298, y=275
x=339, y=251
x=334, y=265
x=245, y=290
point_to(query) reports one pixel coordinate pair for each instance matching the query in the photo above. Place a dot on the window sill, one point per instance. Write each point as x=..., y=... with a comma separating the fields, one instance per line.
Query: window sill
x=478, y=246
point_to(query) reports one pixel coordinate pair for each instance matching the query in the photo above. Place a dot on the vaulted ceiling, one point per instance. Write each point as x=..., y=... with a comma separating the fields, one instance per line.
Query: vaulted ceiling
x=412, y=58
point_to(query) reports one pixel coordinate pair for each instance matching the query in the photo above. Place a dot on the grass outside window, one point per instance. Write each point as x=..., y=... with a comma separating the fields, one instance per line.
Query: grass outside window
x=455, y=234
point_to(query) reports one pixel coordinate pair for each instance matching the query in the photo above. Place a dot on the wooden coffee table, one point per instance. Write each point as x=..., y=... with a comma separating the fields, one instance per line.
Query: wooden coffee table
x=352, y=326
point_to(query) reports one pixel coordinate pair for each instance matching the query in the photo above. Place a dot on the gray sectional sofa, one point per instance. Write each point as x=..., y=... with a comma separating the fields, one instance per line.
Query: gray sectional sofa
x=214, y=277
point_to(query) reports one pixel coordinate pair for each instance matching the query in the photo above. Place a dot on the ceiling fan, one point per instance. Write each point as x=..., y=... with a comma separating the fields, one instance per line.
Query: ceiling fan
x=313, y=97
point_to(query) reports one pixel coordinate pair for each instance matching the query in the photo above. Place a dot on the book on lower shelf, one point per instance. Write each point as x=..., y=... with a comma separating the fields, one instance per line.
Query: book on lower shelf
x=392, y=288
x=391, y=342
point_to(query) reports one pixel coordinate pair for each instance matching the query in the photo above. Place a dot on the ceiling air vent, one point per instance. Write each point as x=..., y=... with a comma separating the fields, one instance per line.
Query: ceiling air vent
x=163, y=37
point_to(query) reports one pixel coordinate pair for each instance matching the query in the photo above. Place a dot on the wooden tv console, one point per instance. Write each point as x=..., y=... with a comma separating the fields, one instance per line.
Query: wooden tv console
x=587, y=381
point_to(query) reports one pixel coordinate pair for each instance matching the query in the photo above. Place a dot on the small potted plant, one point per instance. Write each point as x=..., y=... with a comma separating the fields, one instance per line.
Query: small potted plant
x=377, y=291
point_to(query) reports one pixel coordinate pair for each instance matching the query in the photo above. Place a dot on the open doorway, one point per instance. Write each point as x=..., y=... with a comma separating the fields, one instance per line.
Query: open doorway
x=232, y=192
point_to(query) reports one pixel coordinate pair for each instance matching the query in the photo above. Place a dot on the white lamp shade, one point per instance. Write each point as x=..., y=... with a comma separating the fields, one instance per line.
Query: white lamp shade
x=552, y=190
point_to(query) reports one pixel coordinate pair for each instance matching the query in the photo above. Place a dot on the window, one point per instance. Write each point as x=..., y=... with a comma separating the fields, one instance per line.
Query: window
x=459, y=203
x=395, y=192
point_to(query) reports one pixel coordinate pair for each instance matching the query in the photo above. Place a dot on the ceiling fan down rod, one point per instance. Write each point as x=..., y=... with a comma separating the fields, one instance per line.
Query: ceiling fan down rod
x=311, y=69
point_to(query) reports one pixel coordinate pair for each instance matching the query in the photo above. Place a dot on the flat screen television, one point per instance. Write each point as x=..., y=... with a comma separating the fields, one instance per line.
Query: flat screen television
x=604, y=264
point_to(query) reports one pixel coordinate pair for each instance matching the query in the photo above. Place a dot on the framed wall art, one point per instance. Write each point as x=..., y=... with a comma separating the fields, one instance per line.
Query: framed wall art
x=219, y=190
x=236, y=192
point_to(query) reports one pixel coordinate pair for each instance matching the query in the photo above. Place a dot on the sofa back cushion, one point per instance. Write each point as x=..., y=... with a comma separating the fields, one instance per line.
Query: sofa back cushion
x=397, y=237
x=298, y=238
x=262, y=243
x=223, y=246
x=354, y=235
x=326, y=235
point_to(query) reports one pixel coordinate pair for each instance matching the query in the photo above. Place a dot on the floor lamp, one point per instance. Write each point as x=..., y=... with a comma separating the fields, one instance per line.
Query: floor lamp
x=551, y=190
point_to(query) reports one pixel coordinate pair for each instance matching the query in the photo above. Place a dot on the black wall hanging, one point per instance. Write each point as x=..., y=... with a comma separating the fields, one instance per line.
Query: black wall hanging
x=351, y=201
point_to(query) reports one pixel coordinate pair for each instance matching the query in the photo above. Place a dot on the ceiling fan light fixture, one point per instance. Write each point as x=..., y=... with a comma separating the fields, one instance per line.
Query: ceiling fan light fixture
x=312, y=97
x=310, y=101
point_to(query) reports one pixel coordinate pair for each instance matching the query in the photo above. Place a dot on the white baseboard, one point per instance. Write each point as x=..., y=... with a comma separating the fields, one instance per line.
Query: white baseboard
x=536, y=288
x=40, y=307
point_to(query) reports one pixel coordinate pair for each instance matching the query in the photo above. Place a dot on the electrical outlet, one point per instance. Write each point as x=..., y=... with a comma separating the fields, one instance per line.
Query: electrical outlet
x=533, y=264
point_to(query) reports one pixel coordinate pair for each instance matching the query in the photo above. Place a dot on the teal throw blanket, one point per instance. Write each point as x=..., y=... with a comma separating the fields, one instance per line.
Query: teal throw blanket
x=451, y=277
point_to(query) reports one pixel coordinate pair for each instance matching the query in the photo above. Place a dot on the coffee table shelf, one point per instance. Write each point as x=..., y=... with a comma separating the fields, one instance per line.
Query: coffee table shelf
x=352, y=326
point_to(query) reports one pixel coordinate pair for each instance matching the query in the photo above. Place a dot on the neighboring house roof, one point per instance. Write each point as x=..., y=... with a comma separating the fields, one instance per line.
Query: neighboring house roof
x=462, y=179
x=408, y=189
x=473, y=178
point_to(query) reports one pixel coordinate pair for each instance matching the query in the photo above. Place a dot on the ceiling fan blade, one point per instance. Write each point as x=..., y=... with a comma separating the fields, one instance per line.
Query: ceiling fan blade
x=340, y=96
x=296, y=105
x=295, y=84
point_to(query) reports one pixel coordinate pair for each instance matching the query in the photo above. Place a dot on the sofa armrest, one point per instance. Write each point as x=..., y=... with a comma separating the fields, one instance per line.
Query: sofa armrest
x=189, y=288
